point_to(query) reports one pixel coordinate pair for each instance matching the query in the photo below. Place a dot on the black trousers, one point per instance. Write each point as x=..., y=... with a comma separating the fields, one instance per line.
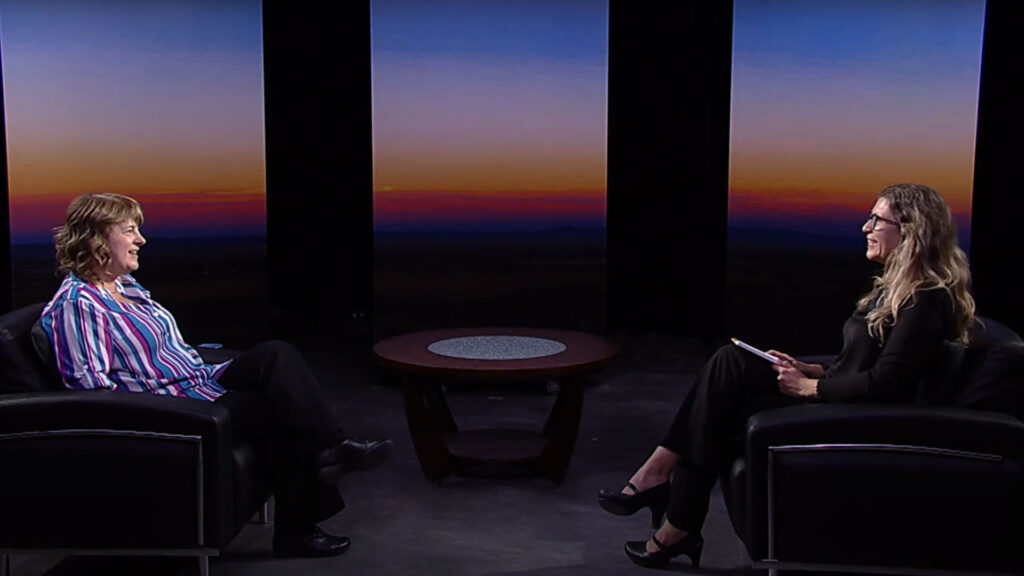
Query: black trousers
x=276, y=401
x=707, y=432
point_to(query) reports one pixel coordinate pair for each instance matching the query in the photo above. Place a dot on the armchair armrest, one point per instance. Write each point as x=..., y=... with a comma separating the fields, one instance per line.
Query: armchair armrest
x=938, y=427
x=880, y=485
x=153, y=466
x=101, y=409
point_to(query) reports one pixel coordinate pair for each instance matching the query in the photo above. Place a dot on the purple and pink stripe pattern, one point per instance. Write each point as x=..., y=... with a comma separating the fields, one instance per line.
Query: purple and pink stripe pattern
x=100, y=343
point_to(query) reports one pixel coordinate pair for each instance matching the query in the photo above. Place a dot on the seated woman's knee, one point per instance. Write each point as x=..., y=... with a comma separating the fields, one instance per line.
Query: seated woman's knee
x=276, y=349
x=728, y=353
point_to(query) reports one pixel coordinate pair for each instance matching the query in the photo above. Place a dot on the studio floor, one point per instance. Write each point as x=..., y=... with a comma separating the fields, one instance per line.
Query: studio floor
x=401, y=524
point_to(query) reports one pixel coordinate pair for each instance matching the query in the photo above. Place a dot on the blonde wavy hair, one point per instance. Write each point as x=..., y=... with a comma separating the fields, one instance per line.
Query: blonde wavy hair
x=927, y=257
x=81, y=242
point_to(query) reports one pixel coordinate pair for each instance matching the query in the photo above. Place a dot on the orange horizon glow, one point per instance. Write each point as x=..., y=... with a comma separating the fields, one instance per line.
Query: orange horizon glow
x=165, y=213
x=767, y=202
x=419, y=206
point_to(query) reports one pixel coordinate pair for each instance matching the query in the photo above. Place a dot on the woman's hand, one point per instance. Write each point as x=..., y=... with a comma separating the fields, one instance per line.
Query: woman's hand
x=811, y=370
x=793, y=382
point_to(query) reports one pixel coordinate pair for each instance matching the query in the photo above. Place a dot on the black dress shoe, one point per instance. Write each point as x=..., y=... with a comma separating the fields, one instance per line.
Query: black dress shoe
x=313, y=544
x=692, y=545
x=656, y=498
x=350, y=456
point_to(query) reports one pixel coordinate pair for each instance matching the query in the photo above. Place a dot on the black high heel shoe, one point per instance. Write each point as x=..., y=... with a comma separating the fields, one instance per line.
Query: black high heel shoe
x=656, y=498
x=692, y=545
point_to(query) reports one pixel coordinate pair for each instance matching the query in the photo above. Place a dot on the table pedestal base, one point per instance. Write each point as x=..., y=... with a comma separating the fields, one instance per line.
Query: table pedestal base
x=443, y=449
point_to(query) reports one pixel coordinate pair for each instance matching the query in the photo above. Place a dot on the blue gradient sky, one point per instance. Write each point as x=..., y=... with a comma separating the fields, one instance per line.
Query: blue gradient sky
x=161, y=100
x=832, y=101
x=484, y=108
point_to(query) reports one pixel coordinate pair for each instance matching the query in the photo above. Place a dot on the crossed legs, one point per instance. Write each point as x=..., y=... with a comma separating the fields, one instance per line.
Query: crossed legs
x=275, y=399
x=705, y=436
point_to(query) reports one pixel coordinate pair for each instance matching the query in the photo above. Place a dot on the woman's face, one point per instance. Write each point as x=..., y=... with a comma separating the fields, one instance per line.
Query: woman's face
x=882, y=232
x=124, y=240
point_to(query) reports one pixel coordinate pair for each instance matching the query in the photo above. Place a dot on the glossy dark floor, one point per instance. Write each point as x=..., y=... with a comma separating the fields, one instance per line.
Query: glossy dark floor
x=402, y=524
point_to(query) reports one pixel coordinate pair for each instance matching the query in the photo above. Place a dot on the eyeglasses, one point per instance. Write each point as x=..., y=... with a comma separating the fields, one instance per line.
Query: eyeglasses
x=874, y=219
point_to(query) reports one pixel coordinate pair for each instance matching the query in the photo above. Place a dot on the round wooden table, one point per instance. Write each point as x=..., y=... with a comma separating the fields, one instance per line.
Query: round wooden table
x=493, y=354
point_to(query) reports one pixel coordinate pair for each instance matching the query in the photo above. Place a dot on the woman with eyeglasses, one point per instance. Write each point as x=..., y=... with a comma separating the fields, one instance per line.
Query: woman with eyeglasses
x=896, y=332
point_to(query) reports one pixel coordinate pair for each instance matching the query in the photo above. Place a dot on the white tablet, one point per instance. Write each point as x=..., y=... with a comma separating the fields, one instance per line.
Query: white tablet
x=761, y=353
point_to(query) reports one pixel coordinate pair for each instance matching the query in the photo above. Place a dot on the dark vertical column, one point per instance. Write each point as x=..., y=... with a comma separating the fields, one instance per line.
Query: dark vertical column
x=319, y=160
x=5, y=210
x=998, y=204
x=668, y=165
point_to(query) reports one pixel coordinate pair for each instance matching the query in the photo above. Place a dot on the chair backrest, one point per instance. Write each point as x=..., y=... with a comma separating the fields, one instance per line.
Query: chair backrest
x=942, y=380
x=991, y=376
x=22, y=368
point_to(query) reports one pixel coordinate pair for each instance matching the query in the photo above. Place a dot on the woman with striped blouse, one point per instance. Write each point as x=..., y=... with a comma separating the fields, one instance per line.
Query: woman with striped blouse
x=107, y=333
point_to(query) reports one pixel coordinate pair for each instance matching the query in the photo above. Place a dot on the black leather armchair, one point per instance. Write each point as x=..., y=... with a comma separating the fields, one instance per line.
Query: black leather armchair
x=893, y=488
x=96, y=472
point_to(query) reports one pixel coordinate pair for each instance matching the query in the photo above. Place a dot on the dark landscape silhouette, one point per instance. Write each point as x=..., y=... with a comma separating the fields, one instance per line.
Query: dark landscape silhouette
x=215, y=287
x=784, y=293
x=552, y=280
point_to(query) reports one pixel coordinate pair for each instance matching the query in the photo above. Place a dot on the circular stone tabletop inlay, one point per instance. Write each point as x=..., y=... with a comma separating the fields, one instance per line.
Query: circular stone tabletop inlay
x=496, y=347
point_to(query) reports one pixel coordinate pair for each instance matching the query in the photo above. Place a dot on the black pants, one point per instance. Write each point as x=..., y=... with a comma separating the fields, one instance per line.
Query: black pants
x=707, y=432
x=276, y=402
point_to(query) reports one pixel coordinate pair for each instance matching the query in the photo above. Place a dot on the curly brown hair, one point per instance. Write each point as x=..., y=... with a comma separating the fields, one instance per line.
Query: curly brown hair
x=927, y=257
x=81, y=242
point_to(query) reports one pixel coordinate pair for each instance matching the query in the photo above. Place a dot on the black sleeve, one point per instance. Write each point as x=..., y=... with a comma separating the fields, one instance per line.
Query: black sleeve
x=911, y=346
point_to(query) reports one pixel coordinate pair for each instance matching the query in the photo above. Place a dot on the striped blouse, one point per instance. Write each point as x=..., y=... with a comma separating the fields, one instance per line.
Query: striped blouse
x=101, y=343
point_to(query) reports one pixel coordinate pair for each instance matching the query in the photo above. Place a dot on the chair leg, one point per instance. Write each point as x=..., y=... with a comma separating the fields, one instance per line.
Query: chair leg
x=5, y=565
x=264, y=515
x=204, y=565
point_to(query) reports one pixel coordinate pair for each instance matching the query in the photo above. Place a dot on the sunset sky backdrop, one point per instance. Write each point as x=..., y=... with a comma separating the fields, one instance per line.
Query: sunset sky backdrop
x=833, y=101
x=485, y=114
x=489, y=114
x=161, y=100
